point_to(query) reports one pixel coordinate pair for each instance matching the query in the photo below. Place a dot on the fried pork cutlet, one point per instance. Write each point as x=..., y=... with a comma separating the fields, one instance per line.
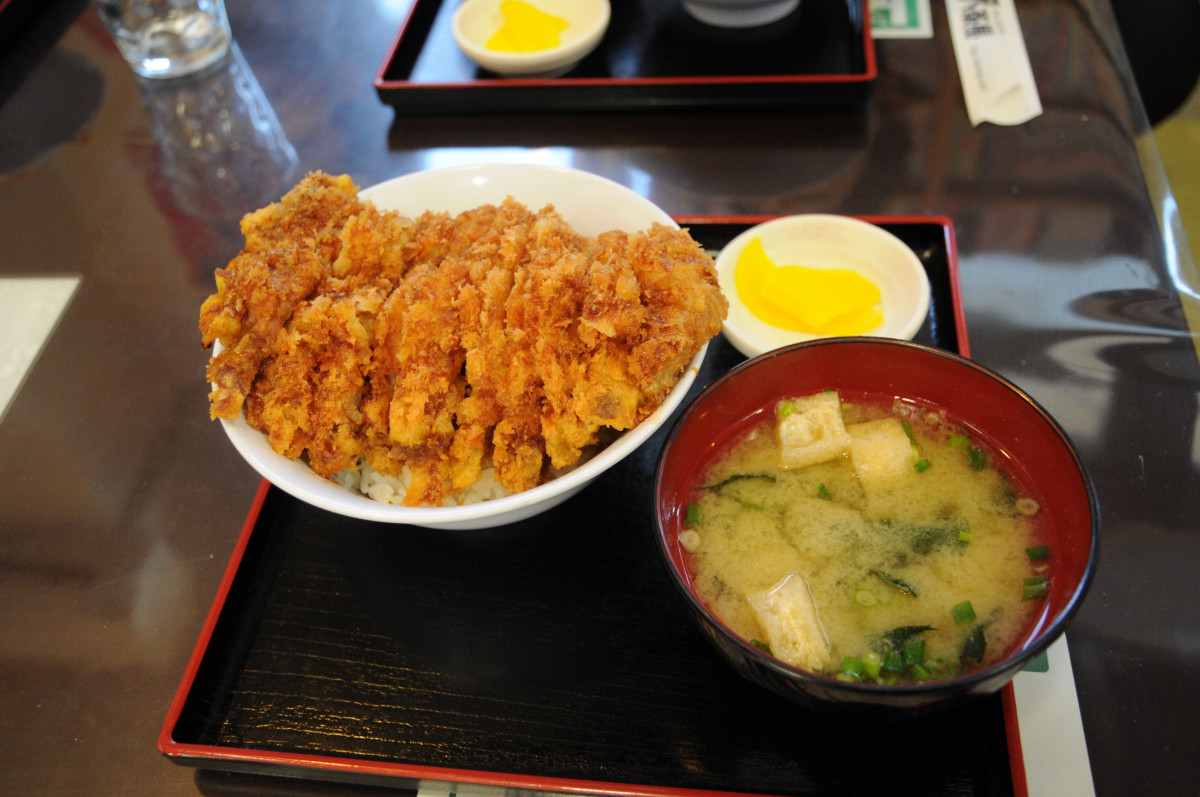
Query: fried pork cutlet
x=445, y=344
x=257, y=294
x=289, y=247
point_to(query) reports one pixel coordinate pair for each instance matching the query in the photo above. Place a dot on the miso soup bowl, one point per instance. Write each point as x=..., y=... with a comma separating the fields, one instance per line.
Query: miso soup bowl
x=1031, y=445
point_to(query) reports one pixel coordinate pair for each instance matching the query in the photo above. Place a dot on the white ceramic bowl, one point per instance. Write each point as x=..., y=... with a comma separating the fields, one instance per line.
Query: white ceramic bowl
x=592, y=205
x=828, y=241
x=476, y=21
x=739, y=13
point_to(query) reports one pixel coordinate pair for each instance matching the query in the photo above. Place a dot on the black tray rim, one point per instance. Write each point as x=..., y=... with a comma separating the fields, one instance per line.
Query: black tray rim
x=374, y=772
x=590, y=94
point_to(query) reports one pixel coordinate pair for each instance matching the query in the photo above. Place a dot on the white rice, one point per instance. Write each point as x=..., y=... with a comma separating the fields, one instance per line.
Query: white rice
x=391, y=489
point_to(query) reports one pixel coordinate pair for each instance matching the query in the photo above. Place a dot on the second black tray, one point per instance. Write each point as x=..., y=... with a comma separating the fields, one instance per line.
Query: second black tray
x=552, y=654
x=653, y=56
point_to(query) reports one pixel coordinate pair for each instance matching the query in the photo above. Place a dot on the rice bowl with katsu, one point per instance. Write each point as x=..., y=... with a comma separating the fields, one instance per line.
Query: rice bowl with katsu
x=486, y=333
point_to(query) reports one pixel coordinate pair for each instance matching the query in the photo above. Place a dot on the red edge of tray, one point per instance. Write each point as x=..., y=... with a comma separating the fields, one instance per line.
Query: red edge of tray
x=182, y=752
x=869, y=73
x=166, y=742
x=1012, y=732
x=185, y=753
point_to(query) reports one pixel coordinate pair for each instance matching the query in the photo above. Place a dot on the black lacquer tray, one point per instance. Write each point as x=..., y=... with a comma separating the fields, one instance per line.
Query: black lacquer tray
x=551, y=654
x=653, y=56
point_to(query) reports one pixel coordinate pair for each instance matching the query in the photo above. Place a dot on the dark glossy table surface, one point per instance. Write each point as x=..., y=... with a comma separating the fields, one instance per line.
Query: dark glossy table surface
x=120, y=502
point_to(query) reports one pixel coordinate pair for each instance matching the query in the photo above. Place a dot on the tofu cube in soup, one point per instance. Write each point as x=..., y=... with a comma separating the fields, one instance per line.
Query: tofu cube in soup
x=787, y=614
x=811, y=430
x=881, y=452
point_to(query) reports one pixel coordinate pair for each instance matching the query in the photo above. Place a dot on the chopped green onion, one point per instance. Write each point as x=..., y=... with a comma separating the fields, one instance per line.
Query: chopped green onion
x=977, y=458
x=1038, y=553
x=938, y=665
x=864, y=597
x=1027, y=506
x=892, y=661
x=903, y=586
x=763, y=646
x=854, y=666
x=975, y=455
x=1033, y=588
x=823, y=491
x=920, y=463
x=965, y=536
x=872, y=663
x=786, y=409
x=963, y=613
x=919, y=673
x=914, y=652
x=694, y=514
x=895, y=639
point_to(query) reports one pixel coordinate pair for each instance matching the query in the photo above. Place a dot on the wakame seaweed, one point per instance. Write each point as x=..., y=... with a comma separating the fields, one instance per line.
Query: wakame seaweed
x=737, y=477
x=897, y=583
x=894, y=641
x=922, y=539
x=974, y=646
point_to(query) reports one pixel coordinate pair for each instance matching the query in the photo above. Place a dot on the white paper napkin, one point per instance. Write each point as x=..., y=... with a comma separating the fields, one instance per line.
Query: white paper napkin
x=1053, y=747
x=993, y=63
x=29, y=310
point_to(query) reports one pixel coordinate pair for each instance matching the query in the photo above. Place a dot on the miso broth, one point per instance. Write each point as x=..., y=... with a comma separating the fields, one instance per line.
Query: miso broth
x=908, y=557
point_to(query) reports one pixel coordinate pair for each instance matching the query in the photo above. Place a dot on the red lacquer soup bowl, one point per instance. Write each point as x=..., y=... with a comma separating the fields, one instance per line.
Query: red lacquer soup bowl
x=1026, y=441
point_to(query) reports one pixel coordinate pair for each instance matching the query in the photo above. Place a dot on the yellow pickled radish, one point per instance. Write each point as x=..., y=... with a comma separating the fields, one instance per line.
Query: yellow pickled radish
x=526, y=29
x=826, y=301
x=749, y=273
x=813, y=300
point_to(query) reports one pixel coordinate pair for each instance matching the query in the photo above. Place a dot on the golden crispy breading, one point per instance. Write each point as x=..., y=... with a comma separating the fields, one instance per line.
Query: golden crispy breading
x=257, y=294
x=310, y=216
x=444, y=344
x=289, y=246
x=371, y=252
x=481, y=311
x=683, y=303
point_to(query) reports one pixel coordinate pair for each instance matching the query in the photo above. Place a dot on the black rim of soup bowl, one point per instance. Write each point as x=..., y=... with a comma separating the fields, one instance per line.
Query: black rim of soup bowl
x=822, y=692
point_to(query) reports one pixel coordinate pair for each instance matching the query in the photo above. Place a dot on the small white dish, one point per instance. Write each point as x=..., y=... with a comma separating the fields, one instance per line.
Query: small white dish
x=476, y=21
x=589, y=203
x=827, y=241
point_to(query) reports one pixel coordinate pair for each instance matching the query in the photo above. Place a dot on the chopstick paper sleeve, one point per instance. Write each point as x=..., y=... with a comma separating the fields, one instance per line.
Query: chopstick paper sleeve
x=993, y=63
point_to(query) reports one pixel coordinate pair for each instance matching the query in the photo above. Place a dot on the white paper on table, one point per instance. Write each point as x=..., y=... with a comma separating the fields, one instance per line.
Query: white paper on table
x=993, y=63
x=1053, y=747
x=29, y=311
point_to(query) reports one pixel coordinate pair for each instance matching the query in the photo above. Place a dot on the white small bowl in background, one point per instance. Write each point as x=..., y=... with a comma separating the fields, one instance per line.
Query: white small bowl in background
x=827, y=241
x=739, y=13
x=476, y=21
